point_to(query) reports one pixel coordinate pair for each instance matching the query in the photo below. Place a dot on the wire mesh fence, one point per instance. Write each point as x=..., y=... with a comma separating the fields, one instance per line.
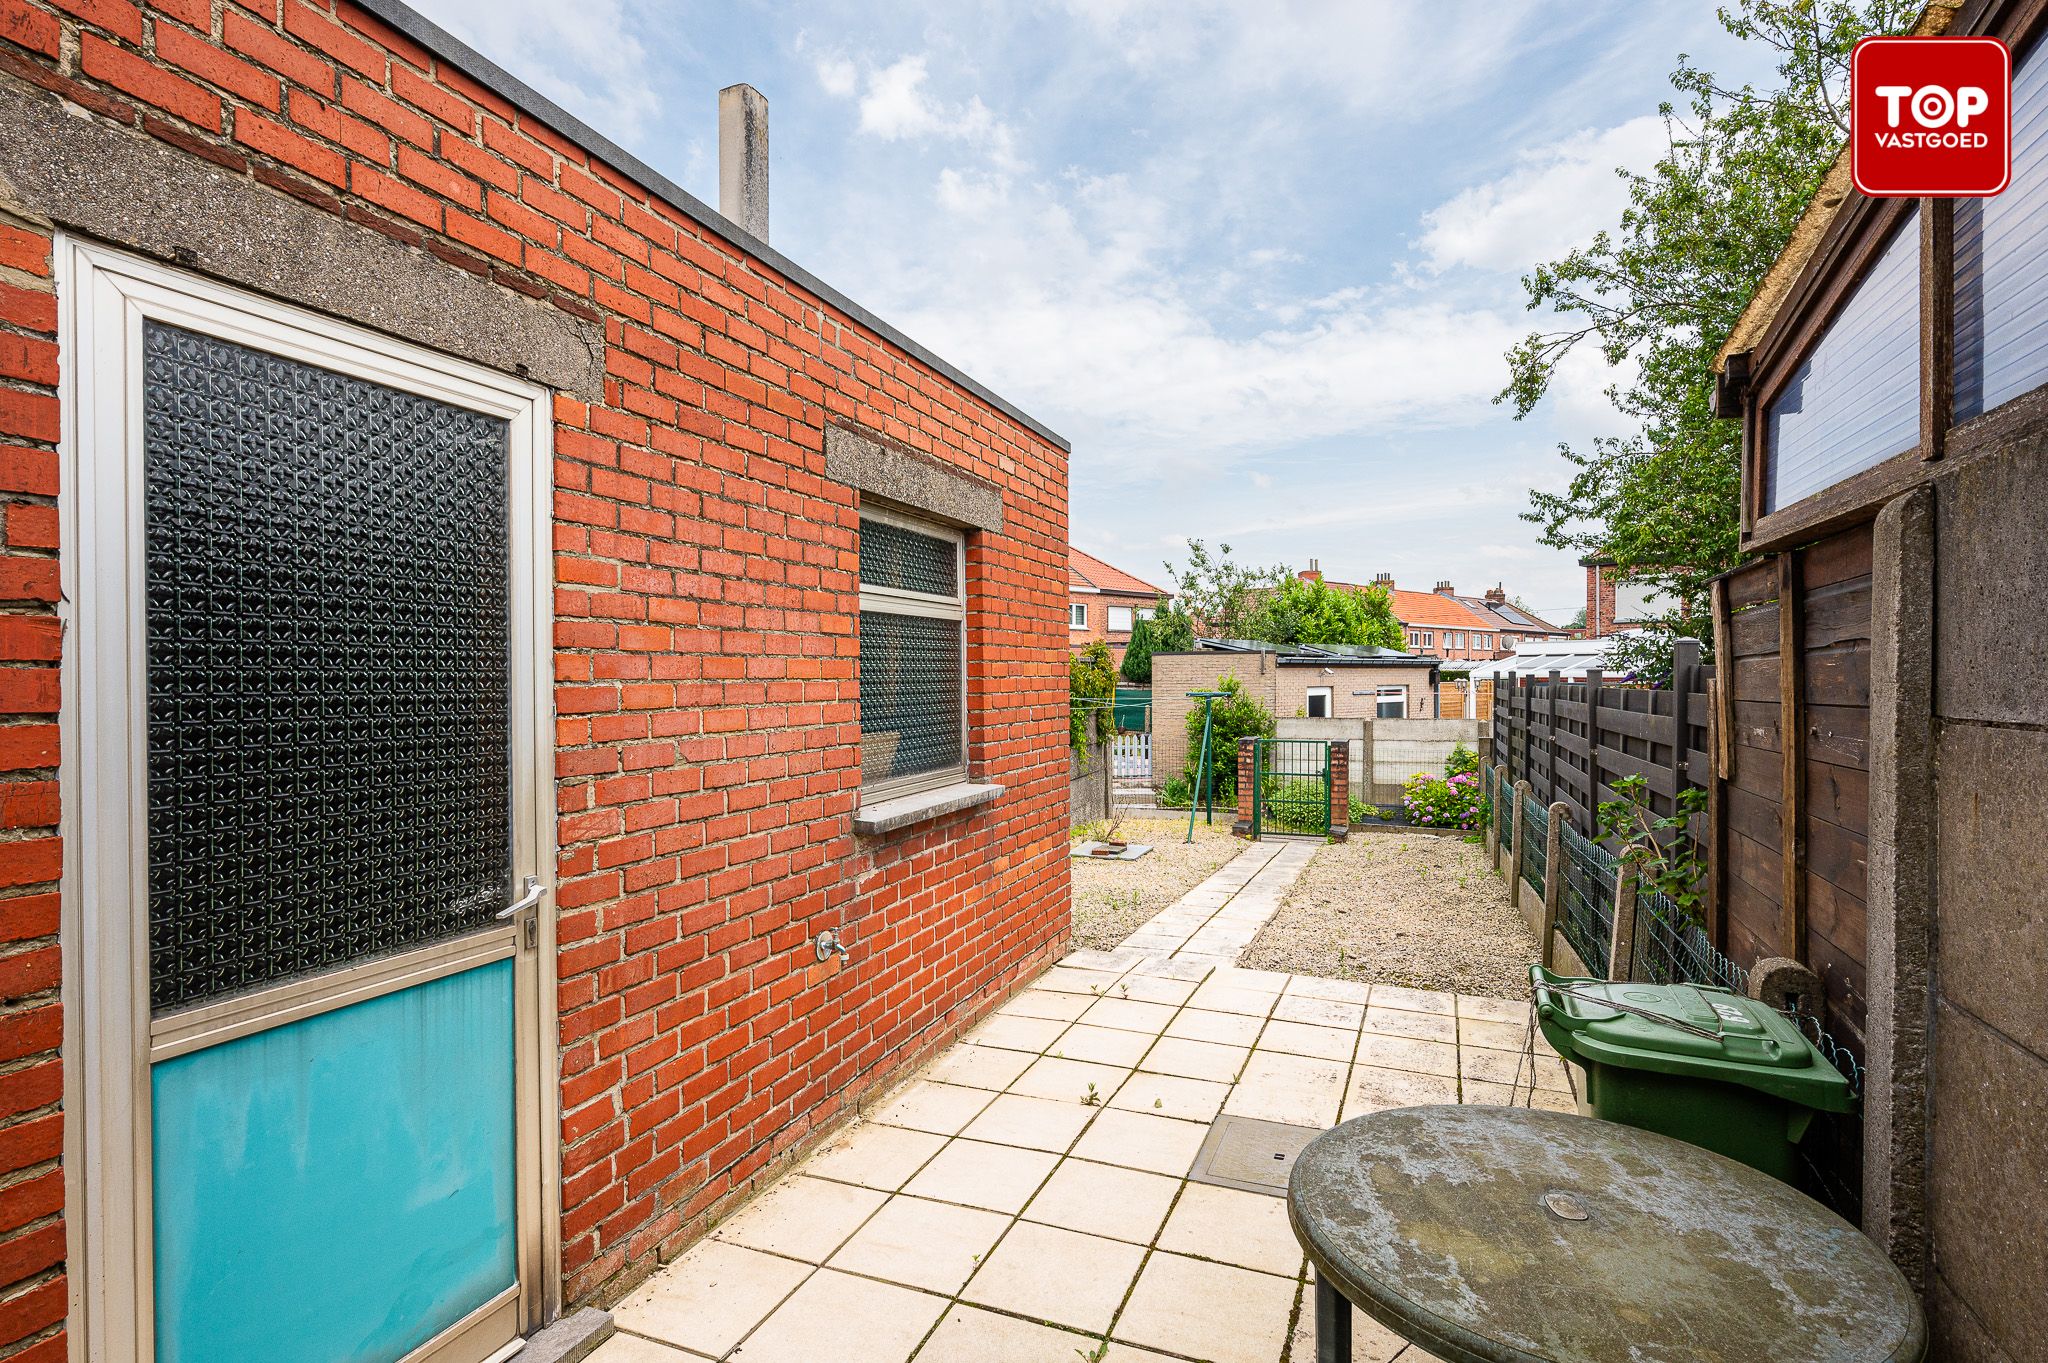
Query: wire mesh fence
x=1675, y=950
x=1586, y=913
x=1535, y=826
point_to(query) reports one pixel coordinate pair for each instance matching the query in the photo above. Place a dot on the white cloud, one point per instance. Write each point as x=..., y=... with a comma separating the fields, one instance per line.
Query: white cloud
x=897, y=105
x=1555, y=198
x=838, y=76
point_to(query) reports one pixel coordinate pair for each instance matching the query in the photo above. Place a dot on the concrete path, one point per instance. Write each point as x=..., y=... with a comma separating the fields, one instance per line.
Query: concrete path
x=1213, y=923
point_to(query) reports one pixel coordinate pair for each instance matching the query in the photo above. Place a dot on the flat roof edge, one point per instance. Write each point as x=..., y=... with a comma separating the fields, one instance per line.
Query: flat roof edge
x=524, y=97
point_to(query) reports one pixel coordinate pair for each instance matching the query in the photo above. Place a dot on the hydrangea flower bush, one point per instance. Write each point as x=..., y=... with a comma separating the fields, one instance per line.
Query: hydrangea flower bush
x=1443, y=801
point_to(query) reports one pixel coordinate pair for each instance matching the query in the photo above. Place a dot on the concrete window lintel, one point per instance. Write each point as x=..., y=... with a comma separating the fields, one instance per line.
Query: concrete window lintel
x=917, y=482
x=901, y=811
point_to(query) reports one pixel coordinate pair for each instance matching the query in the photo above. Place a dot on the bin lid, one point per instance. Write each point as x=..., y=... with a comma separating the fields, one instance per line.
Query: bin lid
x=1702, y=1031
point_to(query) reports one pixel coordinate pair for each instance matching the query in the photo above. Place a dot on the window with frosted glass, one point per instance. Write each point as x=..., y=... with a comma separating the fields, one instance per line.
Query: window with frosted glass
x=1854, y=401
x=2001, y=268
x=912, y=661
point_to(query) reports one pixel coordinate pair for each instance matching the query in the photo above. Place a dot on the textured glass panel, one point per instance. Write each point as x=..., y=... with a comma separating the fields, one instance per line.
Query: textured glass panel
x=1855, y=400
x=2002, y=265
x=909, y=695
x=891, y=556
x=327, y=570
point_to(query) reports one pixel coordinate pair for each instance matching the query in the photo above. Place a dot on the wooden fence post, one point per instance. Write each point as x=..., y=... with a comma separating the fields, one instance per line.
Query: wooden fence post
x=1792, y=755
x=1516, y=798
x=1554, y=876
x=1621, y=943
x=1685, y=677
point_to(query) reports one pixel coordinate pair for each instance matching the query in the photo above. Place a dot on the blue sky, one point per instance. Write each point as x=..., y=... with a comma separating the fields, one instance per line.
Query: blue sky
x=1258, y=261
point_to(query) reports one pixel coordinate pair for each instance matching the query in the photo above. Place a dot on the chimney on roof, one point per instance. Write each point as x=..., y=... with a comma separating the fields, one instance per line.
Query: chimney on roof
x=1497, y=595
x=1443, y=588
x=743, y=158
x=1384, y=580
x=1312, y=573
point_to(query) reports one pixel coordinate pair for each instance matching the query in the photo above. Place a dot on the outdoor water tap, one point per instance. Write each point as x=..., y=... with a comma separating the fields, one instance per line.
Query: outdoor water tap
x=828, y=942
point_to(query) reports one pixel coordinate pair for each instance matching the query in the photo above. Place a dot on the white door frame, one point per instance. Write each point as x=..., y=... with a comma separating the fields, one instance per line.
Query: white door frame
x=110, y=1038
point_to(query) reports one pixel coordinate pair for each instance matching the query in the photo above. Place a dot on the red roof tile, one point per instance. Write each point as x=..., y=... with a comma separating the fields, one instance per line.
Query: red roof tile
x=1086, y=570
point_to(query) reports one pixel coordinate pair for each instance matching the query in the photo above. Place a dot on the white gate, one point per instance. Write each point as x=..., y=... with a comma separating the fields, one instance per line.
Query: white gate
x=1130, y=756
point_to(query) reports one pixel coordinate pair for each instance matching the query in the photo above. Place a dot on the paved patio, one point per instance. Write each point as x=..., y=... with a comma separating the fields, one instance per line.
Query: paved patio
x=1025, y=1199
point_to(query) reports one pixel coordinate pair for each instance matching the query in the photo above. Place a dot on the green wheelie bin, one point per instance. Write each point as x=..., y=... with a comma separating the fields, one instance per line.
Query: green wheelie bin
x=1697, y=1062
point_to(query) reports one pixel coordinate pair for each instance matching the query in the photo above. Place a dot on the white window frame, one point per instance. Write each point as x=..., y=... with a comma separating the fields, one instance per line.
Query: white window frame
x=1329, y=699
x=1109, y=619
x=1077, y=615
x=1384, y=693
x=1148, y=612
x=111, y=1036
x=897, y=601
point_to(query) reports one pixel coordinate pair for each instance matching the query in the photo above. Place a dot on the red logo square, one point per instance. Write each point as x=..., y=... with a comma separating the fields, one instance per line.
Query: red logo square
x=1930, y=117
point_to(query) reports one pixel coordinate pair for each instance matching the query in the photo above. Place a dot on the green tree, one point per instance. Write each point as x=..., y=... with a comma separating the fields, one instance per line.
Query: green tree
x=1233, y=716
x=1137, y=664
x=1091, y=698
x=1219, y=596
x=1665, y=288
x=1170, y=628
x=1303, y=611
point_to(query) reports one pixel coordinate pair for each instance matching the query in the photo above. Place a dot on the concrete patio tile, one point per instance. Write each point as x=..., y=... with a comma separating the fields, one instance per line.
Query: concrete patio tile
x=971, y=1335
x=1047, y=1003
x=1502, y=1067
x=1374, y=1089
x=1016, y=1034
x=710, y=1297
x=1208, y=1311
x=1090, y=958
x=1146, y=1141
x=1500, y=1036
x=1371, y=1342
x=1125, y=1353
x=924, y=1244
x=939, y=1108
x=1100, y=1046
x=1229, y=1029
x=1056, y=1275
x=1192, y=1100
x=1414, y=1000
x=1063, y=979
x=1101, y=1199
x=1337, y=991
x=1128, y=1015
x=998, y=1178
x=1246, y=1229
x=1195, y=1059
x=1067, y=1081
x=632, y=1349
x=1406, y=1053
x=1503, y=1095
x=1300, y=1038
x=1319, y=1012
x=1034, y=1123
x=803, y=1218
x=1155, y=989
x=1215, y=998
x=1401, y=1022
x=1294, y=1089
x=845, y=1319
x=980, y=1067
x=1493, y=1010
x=874, y=1156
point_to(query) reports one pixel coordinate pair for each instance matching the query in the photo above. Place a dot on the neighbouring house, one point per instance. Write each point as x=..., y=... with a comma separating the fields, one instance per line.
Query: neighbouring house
x=1616, y=601
x=1103, y=602
x=1453, y=627
x=1298, y=681
x=527, y=707
x=1885, y=805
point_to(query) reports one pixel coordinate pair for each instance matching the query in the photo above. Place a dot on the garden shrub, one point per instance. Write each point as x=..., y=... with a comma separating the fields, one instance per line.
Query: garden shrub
x=1443, y=801
x=1236, y=715
x=1291, y=805
x=1175, y=794
x=1091, y=700
x=1462, y=761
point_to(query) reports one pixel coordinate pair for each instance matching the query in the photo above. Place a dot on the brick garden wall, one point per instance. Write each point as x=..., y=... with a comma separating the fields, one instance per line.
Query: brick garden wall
x=706, y=607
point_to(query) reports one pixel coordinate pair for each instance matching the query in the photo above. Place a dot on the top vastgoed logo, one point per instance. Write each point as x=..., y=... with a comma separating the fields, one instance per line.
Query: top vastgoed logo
x=1931, y=117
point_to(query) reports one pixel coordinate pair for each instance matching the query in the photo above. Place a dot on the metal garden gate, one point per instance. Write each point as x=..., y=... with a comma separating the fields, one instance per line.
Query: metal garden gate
x=1290, y=786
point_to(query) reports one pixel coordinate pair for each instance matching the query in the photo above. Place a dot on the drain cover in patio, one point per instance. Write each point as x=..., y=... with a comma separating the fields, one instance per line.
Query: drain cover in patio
x=1250, y=1155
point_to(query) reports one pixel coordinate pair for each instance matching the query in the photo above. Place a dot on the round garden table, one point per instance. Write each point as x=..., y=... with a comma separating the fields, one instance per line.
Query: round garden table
x=1505, y=1235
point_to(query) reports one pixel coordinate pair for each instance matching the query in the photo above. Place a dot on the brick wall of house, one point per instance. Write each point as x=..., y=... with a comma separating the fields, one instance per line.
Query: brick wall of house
x=707, y=756
x=1098, y=604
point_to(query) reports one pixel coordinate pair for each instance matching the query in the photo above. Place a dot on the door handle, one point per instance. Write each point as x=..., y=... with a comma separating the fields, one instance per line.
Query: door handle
x=534, y=890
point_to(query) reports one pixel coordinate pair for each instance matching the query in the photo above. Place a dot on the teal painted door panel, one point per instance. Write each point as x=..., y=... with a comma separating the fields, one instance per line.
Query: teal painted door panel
x=339, y=1189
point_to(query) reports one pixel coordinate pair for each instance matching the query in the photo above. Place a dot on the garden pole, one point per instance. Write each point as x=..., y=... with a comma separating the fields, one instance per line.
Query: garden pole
x=1208, y=699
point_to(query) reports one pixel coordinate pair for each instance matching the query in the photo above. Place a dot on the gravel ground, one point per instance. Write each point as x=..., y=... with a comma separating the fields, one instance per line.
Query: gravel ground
x=1112, y=898
x=1400, y=908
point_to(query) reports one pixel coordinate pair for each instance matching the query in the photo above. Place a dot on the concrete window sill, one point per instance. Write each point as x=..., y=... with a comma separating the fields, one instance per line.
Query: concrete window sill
x=901, y=811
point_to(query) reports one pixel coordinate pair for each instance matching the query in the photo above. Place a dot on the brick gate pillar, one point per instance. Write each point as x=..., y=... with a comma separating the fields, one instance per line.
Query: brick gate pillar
x=1340, y=792
x=1247, y=776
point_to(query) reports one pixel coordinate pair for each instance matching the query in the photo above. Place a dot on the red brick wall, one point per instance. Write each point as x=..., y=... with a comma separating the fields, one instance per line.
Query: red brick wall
x=707, y=754
x=1098, y=604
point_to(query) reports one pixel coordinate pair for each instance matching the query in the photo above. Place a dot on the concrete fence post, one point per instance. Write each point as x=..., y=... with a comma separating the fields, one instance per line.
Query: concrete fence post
x=1553, y=877
x=1621, y=942
x=1503, y=808
x=1520, y=844
x=1340, y=791
x=1492, y=833
x=1247, y=785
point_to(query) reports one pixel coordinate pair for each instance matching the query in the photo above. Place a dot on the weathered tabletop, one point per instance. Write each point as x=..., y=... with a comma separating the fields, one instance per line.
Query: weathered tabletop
x=1499, y=1235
